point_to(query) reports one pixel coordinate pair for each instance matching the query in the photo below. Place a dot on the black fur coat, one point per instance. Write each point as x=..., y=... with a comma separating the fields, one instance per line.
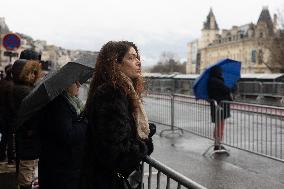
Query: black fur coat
x=113, y=145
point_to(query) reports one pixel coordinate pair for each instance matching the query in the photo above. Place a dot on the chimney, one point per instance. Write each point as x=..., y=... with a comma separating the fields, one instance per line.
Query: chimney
x=275, y=22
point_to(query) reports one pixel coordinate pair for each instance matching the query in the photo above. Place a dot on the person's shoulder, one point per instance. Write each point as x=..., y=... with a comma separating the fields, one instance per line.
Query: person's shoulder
x=108, y=89
x=56, y=102
x=60, y=99
x=22, y=89
x=59, y=103
x=109, y=93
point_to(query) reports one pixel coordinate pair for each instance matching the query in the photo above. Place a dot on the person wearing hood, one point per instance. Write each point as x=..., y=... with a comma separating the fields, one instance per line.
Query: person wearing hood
x=27, y=137
x=118, y=133
x=218, y=91
x=25, y=74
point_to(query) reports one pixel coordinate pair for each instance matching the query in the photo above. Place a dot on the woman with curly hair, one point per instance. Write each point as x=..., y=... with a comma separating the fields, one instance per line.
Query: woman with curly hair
x=118, y=134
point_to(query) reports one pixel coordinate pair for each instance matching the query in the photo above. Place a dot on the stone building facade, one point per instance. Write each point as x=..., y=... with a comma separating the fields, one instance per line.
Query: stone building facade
x=242, y=43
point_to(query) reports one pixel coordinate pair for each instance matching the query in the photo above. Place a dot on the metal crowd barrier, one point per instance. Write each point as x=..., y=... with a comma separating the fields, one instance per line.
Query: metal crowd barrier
x=249, y=91
x=172, y=178
x=255, y=128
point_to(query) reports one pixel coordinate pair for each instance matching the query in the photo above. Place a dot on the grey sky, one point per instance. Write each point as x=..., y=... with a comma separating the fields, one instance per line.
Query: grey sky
x=154, y=25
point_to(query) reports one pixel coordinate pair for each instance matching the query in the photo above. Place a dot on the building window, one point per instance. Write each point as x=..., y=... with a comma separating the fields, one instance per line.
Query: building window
x=253, y=56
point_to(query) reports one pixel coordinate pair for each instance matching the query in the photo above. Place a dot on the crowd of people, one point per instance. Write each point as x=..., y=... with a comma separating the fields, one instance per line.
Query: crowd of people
x=97, y=145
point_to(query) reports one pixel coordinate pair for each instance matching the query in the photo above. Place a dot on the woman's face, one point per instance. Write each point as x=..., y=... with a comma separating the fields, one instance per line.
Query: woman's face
x=131, y=65
x=73, y=89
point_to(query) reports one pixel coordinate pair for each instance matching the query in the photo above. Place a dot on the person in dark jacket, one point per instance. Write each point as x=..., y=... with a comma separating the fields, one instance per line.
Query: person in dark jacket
x=27, y=136
x=218, y=92
x=118, y=132
x=62, y=136
x=25, y=73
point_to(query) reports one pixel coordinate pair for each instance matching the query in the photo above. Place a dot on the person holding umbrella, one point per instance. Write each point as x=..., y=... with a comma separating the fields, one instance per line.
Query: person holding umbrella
x=215, y=84
x=62, y=136
x=218, y=91
x=54, y=105
x=118, y=134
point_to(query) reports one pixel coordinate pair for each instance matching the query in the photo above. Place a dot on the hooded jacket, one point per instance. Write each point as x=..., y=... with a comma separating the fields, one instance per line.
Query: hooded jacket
x=22, y=85
x=21, y=69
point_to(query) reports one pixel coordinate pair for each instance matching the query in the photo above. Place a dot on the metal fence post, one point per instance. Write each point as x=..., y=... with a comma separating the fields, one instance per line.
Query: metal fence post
x=172, y=112
x=173, y=129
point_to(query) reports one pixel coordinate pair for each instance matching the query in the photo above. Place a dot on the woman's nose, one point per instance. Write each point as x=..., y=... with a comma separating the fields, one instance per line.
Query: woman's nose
x=138, y=63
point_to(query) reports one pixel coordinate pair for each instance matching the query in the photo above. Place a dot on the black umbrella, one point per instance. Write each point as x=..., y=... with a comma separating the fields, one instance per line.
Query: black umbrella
x=51, y=86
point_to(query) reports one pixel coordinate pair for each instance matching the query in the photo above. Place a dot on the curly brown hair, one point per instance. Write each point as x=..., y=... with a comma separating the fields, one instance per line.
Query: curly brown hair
x=107, y=71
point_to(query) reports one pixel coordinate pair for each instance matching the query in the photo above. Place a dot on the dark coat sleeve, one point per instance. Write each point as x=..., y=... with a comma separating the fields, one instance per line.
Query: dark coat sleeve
x=116, y=143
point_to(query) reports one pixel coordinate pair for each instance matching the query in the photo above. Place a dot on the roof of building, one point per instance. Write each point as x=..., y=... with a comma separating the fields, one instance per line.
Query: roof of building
x=265, y=18
x=206, y=24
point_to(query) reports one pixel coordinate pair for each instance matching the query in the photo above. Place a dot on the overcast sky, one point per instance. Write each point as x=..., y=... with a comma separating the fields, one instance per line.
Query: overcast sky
x=154, y=25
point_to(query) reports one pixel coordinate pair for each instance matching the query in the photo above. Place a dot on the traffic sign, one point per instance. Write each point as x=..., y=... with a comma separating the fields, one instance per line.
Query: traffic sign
x=9, y=53
x=11, y=41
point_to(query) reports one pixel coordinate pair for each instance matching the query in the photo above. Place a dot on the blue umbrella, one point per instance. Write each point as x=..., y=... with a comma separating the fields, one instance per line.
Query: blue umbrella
x=231, y=73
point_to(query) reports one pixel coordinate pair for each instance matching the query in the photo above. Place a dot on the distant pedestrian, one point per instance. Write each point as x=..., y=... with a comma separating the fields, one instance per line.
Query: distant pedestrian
x=118, y=134
x=218, y=91
x=62, y=135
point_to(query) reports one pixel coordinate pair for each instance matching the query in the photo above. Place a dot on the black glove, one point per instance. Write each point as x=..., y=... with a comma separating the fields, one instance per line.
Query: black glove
x=152, y=128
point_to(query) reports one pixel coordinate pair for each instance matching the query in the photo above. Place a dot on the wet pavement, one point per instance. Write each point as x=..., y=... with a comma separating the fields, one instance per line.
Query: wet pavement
x=240, y=170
